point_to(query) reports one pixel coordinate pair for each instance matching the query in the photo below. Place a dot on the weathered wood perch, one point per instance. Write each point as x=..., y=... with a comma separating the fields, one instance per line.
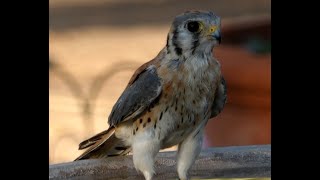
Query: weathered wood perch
x=225, y=162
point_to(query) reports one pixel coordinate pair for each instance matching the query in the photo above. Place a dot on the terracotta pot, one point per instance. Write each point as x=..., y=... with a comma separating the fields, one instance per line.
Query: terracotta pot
x=246, y=117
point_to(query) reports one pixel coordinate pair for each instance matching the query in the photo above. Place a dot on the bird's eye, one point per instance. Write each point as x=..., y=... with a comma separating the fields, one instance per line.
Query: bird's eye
x=194, y=26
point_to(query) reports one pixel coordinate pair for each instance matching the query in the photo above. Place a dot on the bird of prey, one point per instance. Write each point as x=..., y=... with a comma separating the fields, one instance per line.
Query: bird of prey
x=169, y=100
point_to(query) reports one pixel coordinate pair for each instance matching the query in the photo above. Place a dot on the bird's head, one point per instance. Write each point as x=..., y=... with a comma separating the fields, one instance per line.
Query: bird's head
x=194, y=31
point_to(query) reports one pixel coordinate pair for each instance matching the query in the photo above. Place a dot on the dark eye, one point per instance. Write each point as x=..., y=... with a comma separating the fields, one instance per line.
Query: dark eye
x=193, y=26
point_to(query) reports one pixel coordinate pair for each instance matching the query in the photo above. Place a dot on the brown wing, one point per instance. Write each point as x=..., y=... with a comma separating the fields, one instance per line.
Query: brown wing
x=142, y=90
x=220, y=98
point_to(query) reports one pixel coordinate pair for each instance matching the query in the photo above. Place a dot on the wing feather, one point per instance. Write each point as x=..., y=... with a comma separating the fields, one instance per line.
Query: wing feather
x=220, y=98
x=137, y=97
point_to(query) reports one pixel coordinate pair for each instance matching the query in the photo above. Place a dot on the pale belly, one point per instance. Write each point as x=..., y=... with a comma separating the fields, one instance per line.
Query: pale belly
x=181, y=121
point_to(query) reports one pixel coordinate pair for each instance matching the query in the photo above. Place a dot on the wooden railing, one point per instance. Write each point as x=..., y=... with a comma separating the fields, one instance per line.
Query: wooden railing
x=222, y=162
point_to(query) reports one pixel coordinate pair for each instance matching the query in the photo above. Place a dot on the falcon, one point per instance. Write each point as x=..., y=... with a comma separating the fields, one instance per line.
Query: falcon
x=168, y=100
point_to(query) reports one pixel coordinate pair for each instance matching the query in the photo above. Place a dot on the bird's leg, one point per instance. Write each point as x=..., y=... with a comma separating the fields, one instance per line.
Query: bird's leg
x=144, y=149
x=188, y=151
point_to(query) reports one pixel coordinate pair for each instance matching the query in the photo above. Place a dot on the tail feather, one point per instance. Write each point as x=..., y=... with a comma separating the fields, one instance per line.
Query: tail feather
x=104, y=144
x=94, y=139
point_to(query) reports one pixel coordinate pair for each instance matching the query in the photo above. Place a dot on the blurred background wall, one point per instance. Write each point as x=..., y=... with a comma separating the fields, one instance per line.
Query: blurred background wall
x=95, y=45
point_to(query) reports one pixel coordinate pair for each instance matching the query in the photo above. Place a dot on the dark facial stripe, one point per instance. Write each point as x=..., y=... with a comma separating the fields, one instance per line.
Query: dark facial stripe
x=195, y=44
x=177, y=49
x=167, y=45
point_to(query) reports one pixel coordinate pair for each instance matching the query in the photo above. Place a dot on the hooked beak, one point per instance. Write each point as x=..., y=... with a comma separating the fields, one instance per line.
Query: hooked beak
x=218, y=38
x=215, y=33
